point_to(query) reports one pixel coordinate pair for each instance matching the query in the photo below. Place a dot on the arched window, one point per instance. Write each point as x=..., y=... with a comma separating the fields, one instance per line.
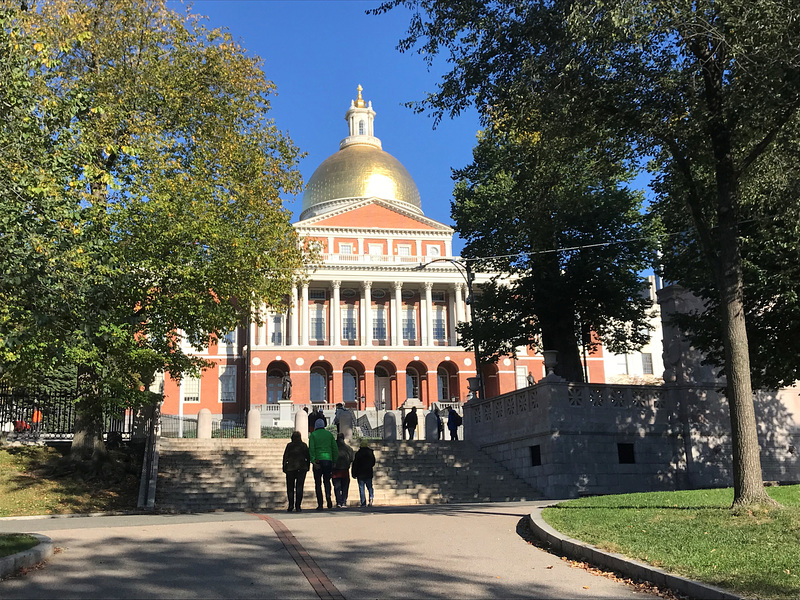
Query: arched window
x=349, y=385
x=443, y=384
x=382, y=389
x=319, y=385
x=274, y=385
x=412, y=383
x=361, y=127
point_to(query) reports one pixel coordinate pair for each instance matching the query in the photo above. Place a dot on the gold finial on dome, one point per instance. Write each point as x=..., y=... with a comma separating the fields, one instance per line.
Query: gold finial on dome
x=360, y=101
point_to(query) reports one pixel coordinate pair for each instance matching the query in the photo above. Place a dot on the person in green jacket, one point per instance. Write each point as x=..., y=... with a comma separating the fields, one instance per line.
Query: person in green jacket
x=324, y=453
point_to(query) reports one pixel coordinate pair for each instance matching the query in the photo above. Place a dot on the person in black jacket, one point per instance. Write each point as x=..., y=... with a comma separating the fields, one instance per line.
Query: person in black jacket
x=410, y=423
x=341, y=472
x=296, y=461
x=362, y=471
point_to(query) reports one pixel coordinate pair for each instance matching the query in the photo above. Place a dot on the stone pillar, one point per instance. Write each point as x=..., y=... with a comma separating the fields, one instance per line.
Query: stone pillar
x=301, y=424
x=253, y=338
x=390, y=427
x=397, y=319
x=253, y=424
x=295, y=322
x=366, y=340
x=451, y=318
x=427, y=315
x=335, y=315
x=285, y=413
x=204, y=424
x=431, y=427
x=304, y=317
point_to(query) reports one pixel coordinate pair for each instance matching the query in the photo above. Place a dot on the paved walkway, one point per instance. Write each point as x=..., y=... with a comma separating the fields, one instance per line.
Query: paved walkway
x=439, y=551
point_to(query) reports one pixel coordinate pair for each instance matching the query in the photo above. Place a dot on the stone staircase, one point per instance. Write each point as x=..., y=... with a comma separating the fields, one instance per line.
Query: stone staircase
x=240, y=474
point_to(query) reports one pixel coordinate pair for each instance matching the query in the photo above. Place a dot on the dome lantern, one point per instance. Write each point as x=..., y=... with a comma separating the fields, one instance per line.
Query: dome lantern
x=359, y=170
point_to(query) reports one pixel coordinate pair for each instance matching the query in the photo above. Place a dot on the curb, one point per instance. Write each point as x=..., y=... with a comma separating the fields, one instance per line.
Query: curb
x=22, y=560
x=636, y=570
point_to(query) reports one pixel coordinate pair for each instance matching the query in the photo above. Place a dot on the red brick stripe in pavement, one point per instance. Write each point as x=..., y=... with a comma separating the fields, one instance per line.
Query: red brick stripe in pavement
x=319, y=581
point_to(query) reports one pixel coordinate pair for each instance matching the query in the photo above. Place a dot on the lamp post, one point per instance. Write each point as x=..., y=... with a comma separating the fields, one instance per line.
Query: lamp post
x=465, y=269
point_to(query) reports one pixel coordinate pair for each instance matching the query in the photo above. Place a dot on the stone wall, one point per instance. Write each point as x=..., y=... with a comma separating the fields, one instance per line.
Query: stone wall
x=600, y=439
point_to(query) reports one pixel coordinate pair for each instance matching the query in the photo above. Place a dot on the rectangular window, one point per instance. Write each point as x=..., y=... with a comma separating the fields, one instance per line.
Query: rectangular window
x=626, y=454
x=379, y=323
x=622, y=364
x=647, y=363
x=345, y=248
x=439, y=323
x=317, y=294
x=349, y=323
x=318, y=323
x=227, y=383
x=536, y=455
x=437, y=296
x=191, y=389
x=276, y=336
x=404, y=252
x=521, y=374
x=409, y=323
x=375, y=249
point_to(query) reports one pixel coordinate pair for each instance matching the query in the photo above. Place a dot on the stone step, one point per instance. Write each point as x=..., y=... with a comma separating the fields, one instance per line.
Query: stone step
x=222, y=474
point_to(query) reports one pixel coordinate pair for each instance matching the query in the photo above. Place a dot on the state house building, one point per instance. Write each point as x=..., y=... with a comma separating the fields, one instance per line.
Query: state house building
x=372, y=327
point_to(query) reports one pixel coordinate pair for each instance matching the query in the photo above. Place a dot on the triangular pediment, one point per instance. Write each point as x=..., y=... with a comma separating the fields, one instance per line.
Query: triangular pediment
x=373, y=213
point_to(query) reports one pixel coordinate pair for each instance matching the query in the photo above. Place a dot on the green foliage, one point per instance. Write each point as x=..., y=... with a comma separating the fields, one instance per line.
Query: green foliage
x=163, y=209
x=531, y=198
x=696, y=534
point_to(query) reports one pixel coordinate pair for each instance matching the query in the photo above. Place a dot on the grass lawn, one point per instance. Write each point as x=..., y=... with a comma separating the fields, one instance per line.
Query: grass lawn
x=35, y=480
x=696, y=534
x=11, y=543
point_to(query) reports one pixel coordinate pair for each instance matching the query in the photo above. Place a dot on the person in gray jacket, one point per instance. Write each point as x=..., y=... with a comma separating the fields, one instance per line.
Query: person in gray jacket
x=296, y=461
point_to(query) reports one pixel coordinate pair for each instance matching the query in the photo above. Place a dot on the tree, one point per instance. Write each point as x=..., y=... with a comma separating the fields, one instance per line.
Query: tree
x=703, y=87
x=544, y=207
x=174, y=178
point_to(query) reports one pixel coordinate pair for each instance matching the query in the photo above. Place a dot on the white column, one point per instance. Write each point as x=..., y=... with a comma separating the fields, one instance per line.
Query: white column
x=263, y=329
x=367, y=339
x=304, y=316
x=419, y=248
x=427, y=316
x=458, y=289
x=335, y=314
x=294, y=314
x=451, y=317
x=397, y=319
x=253, y=334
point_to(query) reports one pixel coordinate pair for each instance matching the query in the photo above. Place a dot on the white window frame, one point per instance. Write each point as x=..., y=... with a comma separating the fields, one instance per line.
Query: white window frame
x=439, y=316
x=375, y=249
x=410, y=323
x=277, y=333
x=346, y=248
x=317, y=294
x=378, y=320
x=318, y=323
x=190, y=385
x=227, y=342
x=227, y=373
x=349, y=317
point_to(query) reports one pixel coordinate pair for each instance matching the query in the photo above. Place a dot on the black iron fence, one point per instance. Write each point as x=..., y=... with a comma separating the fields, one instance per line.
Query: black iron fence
x=52, y=414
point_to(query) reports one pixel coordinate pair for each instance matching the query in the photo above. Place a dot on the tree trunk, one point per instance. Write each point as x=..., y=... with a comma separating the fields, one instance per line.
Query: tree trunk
x=748, y=486
x=557, y=322
x=87, y=442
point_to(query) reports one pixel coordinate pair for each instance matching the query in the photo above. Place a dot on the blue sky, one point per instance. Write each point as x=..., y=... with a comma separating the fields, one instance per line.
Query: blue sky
x=317, y=52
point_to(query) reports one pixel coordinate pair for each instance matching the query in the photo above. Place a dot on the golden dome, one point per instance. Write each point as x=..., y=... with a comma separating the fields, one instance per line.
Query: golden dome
x=355, y=172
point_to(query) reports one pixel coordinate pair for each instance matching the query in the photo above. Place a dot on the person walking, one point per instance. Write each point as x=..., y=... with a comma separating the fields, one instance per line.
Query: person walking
x=341, y=472
x=312, y=419
x=324, y=453
x=296, y=460
x=453, y=423
x=363, y=462
x=410, y=423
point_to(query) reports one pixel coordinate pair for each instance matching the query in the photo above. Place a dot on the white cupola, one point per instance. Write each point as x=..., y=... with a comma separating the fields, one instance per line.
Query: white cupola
x=361, y=119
